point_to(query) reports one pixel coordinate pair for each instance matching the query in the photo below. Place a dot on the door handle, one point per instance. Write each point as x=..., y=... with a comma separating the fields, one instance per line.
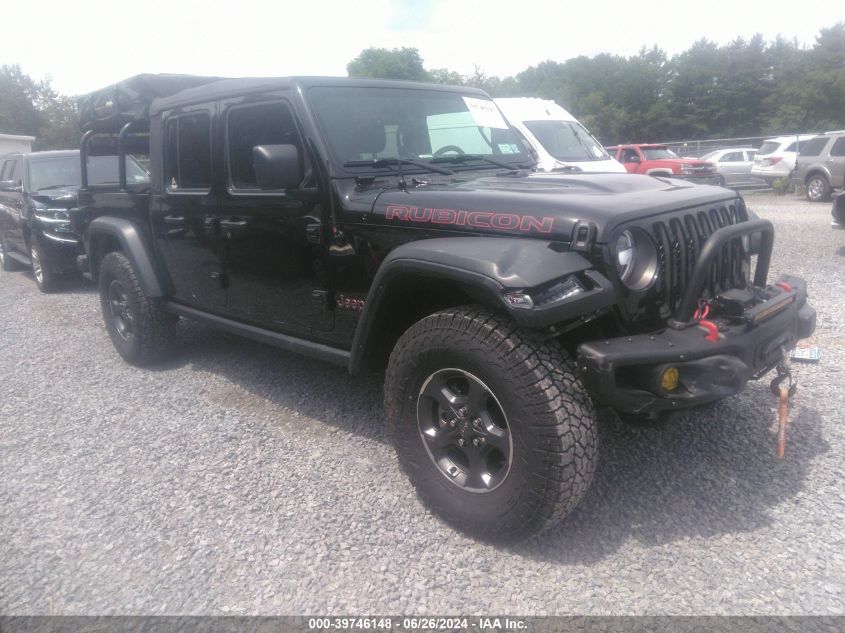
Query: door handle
x=174, y=219
x=233, y=224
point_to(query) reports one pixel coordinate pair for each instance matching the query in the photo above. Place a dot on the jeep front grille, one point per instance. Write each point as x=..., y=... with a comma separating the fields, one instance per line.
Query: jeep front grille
x=679, y=240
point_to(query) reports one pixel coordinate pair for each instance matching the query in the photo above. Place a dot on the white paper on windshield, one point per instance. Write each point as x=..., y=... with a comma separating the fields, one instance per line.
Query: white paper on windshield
x=485, y=113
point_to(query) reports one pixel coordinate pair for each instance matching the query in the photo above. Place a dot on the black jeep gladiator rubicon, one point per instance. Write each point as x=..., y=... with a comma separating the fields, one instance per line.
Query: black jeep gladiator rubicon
x=399, y=227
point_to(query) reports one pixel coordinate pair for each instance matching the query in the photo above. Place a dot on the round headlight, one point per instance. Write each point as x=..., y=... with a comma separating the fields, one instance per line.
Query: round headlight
x=636, y=259
x=626, y=255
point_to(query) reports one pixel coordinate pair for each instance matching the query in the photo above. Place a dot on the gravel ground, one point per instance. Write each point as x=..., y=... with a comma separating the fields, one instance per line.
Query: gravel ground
x=241, y=480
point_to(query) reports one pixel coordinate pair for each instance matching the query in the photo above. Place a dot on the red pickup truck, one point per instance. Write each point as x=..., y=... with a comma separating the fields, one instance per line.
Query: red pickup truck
x=659, y=160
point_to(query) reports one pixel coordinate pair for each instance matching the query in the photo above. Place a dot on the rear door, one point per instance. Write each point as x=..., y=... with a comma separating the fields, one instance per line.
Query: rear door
x=185, y=217
x=275, y=266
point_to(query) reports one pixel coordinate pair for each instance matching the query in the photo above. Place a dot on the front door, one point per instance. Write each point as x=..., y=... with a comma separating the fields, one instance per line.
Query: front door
x=732, y=166
x=11, y=206
x=185, y=215
x=836, y=162
x=274, y=264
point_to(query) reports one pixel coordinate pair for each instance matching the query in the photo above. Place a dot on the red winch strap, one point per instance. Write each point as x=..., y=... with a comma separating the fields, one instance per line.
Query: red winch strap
x=783, y=418
x=712, y=330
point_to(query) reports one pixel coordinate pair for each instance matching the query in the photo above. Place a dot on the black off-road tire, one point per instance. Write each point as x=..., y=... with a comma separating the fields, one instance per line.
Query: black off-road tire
x=140, y=331
x=550, y=417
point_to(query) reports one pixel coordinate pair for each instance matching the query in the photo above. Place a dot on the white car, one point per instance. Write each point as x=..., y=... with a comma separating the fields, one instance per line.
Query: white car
x=733, y=164
x=776, y=157
x=557, y=136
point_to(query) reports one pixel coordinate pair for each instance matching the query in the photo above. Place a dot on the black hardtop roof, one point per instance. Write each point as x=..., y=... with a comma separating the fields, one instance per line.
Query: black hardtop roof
x=143, y=96
x=244, y=85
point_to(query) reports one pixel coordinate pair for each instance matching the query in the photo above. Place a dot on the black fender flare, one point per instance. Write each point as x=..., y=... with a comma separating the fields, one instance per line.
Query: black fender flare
x=134, y=246
x=490, y=266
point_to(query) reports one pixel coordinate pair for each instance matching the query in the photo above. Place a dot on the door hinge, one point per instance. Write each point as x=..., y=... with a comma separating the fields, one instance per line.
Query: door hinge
x=221, y=277
x=320, y=298
x=314, y=233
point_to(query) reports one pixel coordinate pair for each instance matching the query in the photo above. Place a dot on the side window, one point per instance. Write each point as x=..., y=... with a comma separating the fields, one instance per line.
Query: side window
x=4, y=167
x=260, y=124
x=814, y=146
x=731, y=157
x=791, y=148
x=187, y=160
x=750, y=155
x=838, y=148
x=630, y=155
x=13, y=170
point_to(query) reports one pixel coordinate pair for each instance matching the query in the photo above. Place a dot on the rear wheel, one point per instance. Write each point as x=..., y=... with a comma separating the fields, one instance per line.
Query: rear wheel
x=491, y=426
x=140, y=331
x=818, y=188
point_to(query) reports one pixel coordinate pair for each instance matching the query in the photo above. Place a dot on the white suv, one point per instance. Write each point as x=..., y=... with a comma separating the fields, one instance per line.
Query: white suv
x=776, y=157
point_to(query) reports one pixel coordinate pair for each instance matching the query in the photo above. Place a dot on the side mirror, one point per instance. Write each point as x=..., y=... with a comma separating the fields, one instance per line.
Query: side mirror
x=277, y=166
x=10, y=185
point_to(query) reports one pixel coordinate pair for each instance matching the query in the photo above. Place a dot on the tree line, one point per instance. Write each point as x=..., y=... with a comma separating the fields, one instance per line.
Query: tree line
x=745, y=88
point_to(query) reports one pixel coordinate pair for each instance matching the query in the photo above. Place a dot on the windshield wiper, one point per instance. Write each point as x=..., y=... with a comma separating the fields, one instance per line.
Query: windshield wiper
x=397, y=162
x=462, y=158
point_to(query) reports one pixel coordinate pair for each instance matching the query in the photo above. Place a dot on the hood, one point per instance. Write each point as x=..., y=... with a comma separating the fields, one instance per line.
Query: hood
x=538, y=205
x=64, y=197
x=694, y=162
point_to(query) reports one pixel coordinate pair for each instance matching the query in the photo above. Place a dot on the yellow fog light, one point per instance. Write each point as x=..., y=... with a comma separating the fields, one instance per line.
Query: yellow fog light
x=669, y=379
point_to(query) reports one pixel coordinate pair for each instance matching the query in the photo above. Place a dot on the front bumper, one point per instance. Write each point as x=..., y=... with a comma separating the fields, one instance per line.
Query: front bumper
x=59, y=251
x=625, y=372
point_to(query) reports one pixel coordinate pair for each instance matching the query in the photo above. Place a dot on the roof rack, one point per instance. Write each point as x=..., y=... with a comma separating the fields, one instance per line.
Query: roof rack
x=107, y=110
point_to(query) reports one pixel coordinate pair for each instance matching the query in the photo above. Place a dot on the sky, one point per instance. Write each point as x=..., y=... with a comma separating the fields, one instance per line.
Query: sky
x=84, y=45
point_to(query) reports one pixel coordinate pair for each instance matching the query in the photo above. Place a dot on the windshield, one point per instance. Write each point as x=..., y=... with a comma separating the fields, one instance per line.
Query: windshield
x=567, y=140
x=363, y=125
x=658, y=153
x=64, y=171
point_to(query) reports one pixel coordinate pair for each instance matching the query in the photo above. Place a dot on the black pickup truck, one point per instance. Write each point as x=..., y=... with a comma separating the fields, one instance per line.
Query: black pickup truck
x=399, y=227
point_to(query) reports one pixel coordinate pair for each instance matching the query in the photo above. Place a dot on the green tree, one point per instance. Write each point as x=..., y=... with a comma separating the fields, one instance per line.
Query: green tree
x=397, y=63
x=18, y=97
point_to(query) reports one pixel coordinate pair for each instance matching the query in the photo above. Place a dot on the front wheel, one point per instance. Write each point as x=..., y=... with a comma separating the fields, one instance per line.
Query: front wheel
x=492, y=427
x=44, y=278
x=818, y=188
x=140, y=331
x=6, y=262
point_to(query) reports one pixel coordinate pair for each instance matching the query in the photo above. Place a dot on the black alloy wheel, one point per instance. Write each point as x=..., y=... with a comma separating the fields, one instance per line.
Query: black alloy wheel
x=464, y=430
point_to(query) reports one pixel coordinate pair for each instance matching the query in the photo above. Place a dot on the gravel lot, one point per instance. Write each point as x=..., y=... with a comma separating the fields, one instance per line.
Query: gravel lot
x=238, y=479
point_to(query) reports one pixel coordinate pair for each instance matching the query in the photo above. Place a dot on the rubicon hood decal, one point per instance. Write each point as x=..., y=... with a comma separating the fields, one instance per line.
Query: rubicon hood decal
x=475, y=219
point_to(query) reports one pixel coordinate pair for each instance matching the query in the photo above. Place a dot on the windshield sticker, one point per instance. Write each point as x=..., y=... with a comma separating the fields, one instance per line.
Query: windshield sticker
x=485, y=113
x=508, y=148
